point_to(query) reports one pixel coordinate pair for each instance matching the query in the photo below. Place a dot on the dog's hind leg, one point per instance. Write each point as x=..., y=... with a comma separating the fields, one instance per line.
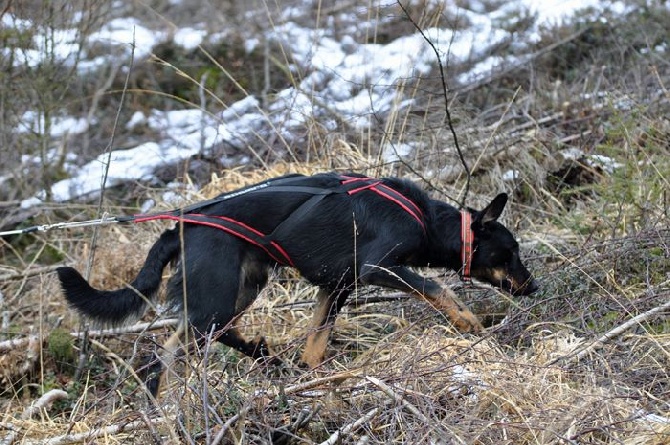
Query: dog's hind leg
x=327, y=307
x=156, y=374
x=256, y=348
x=253, y=276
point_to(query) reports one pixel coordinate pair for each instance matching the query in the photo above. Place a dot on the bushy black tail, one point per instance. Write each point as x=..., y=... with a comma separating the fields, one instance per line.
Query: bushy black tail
x=113, y=307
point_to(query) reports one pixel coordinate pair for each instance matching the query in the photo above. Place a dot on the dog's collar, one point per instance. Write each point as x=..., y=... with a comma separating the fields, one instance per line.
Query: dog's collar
x=467, y=240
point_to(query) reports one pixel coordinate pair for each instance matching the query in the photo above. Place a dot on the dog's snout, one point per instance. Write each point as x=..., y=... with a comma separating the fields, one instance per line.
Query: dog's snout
x=529, y=287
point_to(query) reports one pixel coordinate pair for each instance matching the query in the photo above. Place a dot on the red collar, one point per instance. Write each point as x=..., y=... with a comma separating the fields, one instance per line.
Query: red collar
x=467, y=240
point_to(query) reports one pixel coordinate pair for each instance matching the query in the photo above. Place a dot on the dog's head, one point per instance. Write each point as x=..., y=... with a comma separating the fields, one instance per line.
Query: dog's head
x=495, y=257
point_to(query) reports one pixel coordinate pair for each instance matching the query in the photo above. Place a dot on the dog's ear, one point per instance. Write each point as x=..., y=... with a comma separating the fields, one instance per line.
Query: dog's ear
x=492, y=211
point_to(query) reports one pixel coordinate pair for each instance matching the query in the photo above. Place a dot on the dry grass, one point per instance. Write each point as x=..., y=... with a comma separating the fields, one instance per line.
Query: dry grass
x=396, y=371
x=546, y=372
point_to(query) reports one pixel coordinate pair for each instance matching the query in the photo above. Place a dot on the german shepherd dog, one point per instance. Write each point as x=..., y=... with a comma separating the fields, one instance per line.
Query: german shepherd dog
x=338, y=231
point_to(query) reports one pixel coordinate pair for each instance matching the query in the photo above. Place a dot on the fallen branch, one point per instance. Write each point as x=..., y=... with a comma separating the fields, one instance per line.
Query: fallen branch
x=43, y=402
x=16, y=343
x=19, y=343
x=136, y=328
x=608, y=336
x=11, y=436
x=22, y=363
x=88, y=436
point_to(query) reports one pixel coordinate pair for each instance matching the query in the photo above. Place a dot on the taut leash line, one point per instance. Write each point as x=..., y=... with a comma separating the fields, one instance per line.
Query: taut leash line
x=66, y=225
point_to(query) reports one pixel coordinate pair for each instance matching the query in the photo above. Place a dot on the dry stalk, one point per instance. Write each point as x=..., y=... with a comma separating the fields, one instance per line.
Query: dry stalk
x=336, y=378
x=107, y=165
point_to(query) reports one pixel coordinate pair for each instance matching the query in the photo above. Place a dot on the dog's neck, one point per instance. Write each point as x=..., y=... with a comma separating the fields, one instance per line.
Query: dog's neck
x=444, y=236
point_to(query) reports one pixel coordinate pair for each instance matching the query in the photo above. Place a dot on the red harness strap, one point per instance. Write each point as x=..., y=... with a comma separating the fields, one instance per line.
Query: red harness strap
x=229, y=225
x=467, y=240
x=386, y=192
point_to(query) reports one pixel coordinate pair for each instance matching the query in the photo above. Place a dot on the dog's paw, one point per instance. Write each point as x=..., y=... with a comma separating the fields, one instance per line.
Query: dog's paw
x=459, y=314
x=310, y=361
x=466, y=321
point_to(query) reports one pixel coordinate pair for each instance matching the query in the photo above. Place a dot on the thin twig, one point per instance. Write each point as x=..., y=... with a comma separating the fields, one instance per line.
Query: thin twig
x=337, y=378
x=108, y=151
x=335, y=437
x=386, y=389
x=445, y=91
x=29, y=272
x=224, y=428
x=83, y=355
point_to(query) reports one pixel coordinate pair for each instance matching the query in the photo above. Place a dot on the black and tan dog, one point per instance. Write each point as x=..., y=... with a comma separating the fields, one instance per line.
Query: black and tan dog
x=337, y=230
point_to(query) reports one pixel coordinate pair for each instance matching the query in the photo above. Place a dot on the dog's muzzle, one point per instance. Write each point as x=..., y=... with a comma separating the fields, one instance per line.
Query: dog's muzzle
x=527, y=288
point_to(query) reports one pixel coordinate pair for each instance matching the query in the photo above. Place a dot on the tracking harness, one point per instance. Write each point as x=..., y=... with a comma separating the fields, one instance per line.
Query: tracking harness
x=267, y=242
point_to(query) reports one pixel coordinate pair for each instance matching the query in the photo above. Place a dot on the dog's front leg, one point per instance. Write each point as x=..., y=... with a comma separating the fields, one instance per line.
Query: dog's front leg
x=445, y=300
x=327, y=306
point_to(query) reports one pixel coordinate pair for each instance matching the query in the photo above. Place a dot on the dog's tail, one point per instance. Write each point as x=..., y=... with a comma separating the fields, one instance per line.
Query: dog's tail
x=113, y=307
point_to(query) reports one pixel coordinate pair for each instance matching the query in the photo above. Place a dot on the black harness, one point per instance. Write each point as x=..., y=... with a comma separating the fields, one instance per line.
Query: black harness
x=348, y=184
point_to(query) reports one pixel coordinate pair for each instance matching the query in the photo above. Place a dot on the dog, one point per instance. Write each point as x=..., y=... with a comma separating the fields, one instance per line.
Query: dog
x=337, y=230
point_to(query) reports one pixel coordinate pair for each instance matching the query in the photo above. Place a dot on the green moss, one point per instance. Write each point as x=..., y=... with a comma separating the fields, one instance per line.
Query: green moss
x=60, y=345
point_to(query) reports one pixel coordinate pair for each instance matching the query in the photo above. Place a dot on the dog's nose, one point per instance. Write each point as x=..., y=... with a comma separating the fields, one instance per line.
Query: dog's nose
x=531, y=287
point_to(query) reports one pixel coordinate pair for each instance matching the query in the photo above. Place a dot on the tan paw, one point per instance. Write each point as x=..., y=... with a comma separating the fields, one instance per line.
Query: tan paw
x=466, y=321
